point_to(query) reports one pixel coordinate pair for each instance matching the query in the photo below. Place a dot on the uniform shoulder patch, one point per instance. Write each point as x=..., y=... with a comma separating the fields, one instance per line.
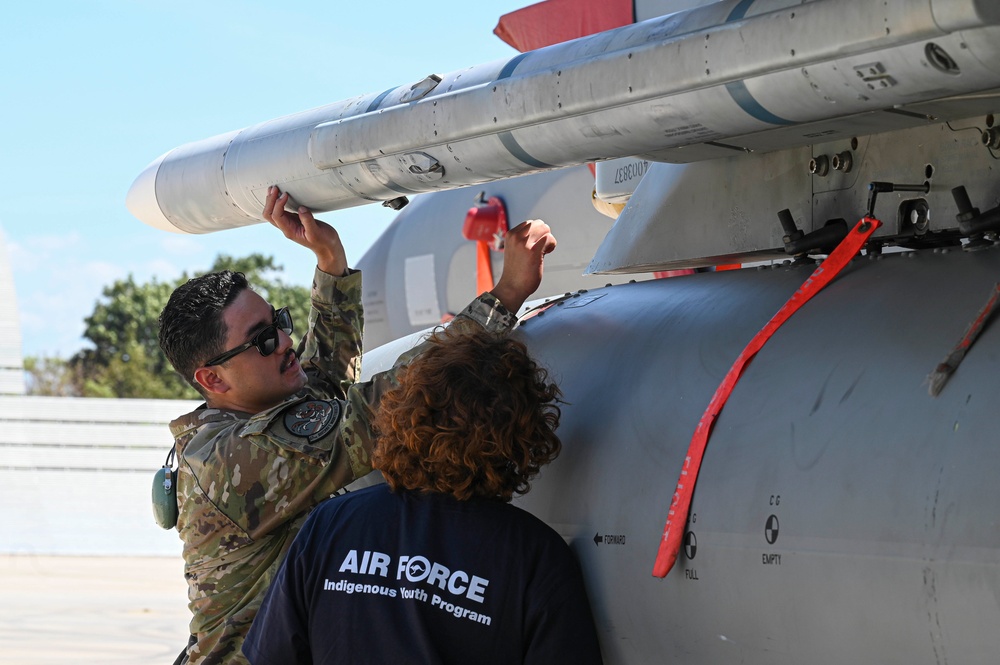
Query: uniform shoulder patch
x=312, y=419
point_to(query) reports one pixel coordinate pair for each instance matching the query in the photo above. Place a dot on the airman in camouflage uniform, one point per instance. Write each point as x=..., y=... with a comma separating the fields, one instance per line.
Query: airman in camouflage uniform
x=248, y=476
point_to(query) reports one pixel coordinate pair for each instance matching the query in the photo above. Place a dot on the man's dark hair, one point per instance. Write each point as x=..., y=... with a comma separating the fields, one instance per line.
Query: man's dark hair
x=191, y=326
x=472, y=416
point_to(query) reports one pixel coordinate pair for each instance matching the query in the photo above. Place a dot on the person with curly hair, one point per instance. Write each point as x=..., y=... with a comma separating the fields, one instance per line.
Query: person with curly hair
x=436, y=566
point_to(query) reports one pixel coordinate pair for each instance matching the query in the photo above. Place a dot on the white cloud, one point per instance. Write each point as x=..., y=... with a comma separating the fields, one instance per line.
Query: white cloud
x=37, y=253
x=180, y=244
x=102, y=273
x=57, y=293
x=162, y=269
x=52, y=322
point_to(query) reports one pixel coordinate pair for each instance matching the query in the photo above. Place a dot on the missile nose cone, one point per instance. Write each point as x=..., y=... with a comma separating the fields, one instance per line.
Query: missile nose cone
x=141, y=199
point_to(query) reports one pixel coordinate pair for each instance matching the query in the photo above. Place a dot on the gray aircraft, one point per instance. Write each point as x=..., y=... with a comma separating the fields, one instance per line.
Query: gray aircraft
x=845, y=506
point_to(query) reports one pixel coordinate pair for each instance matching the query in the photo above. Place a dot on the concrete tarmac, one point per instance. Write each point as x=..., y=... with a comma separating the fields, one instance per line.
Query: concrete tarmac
x=110, y=610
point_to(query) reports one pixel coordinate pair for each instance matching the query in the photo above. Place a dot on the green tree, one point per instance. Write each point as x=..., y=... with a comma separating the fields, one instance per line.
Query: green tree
x=126, y=360
x=50, y=376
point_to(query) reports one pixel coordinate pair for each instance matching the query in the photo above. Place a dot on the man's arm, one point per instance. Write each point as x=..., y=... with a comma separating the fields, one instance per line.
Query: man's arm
x=330, y=350
x=525, y=247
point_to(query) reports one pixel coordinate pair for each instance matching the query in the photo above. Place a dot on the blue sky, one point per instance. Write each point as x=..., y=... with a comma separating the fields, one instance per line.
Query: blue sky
x=94, y=91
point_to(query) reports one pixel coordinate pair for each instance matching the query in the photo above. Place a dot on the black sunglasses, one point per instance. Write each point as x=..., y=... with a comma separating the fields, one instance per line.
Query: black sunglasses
x=266, y=339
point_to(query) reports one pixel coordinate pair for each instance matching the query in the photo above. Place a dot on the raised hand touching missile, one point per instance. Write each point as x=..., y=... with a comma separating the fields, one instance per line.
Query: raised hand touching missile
x=525, y=247
x=306, y=230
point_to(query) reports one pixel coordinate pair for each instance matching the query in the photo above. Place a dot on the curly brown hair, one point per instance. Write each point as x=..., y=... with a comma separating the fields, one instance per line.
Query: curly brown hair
x=473, y=416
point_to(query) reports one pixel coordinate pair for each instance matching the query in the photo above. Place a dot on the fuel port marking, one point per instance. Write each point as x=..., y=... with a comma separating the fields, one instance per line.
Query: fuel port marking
x=771, y=530
x=690, y=544
x=771, y=536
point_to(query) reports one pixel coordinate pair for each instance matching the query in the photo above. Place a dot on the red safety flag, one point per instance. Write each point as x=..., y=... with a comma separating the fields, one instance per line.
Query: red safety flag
x=680, y=505
x=484, y=268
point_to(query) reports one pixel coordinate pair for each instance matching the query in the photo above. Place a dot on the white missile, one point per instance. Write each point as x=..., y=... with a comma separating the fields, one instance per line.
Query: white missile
x=739, y=74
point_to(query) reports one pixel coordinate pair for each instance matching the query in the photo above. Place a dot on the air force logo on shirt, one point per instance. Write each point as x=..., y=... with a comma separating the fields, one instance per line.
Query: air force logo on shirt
x=312, y=419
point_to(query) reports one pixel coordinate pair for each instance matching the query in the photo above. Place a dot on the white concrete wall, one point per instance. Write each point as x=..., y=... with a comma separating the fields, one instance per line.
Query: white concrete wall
x=11, y=365
x=76, y=474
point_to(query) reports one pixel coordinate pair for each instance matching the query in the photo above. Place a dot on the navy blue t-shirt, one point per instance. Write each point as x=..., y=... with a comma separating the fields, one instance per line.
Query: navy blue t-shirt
x=378, y=577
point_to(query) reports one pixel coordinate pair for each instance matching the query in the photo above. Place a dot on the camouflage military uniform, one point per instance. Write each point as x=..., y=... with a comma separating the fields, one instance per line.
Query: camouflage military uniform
x=247, y=481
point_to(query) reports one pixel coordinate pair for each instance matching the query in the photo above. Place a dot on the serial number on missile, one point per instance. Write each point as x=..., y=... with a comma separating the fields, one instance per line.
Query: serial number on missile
x=631, y=171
